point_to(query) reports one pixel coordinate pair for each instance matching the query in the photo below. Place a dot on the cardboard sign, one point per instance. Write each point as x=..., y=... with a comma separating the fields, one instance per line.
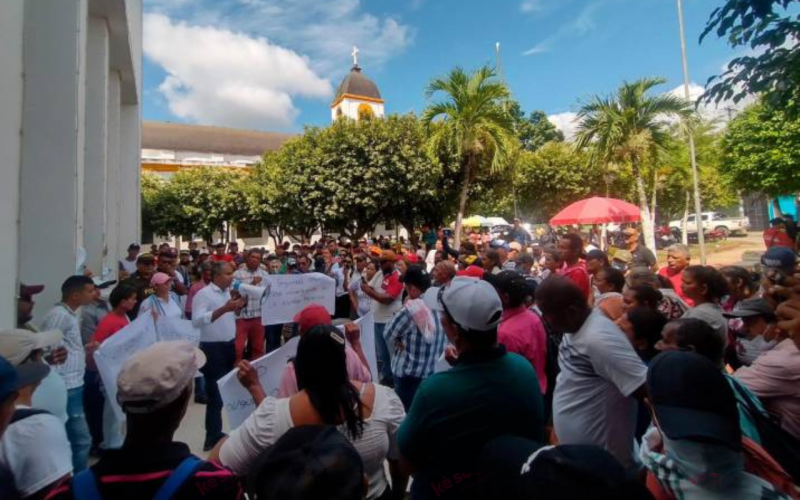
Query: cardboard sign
x=177, y=329
x=290, y=293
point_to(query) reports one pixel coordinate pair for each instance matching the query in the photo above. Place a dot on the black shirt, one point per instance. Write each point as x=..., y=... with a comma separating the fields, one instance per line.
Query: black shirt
x=643, y=257
x=143, y=290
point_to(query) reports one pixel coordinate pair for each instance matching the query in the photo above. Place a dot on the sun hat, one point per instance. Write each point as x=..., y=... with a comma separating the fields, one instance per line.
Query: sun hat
x=17, y=344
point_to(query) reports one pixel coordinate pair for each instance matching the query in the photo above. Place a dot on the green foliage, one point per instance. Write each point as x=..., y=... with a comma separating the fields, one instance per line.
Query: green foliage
x=152, y=188
x=761, y=151
x=771, y=66
x=534, y=130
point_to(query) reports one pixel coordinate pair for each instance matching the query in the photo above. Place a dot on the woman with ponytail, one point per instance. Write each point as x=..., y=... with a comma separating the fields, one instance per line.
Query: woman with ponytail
x=367, y=414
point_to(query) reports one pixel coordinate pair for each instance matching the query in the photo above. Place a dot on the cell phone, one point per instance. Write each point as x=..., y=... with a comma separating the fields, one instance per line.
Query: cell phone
x=363, y=279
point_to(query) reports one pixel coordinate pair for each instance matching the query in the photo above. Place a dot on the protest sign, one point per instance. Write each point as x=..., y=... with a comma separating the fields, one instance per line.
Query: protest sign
x=113, y=353
x=238, y=402
x=176, y=329
x=289, y=294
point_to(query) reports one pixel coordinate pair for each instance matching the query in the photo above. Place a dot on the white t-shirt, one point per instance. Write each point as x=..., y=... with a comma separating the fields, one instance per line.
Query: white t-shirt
x=272, y=419
x=711, y=313
x=129, y=266
x=592, y=403
x=169, y=309
x=51, y=395
x=36, y=450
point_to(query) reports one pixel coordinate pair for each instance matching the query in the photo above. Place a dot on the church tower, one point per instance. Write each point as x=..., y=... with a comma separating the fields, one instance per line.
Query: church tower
x=357, y=96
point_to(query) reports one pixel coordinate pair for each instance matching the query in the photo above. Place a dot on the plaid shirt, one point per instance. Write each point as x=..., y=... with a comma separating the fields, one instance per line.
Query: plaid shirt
x=417, y=358
x=61, y=317
x=245, y=275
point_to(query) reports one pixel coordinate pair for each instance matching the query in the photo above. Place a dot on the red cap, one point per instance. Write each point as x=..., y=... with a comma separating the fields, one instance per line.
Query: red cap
x=412, y=258
x=312, y=315
x=471, y=272
x=27, y=291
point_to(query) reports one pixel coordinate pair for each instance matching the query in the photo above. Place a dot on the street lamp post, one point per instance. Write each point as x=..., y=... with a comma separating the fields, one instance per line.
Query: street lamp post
x=701, y=240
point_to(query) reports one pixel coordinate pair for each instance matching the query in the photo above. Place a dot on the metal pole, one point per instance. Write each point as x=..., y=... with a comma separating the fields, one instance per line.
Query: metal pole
x=701, y=240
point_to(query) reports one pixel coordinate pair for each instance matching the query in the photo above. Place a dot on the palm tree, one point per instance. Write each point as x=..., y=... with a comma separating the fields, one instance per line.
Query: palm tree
x=471, y=123
x=630, y=127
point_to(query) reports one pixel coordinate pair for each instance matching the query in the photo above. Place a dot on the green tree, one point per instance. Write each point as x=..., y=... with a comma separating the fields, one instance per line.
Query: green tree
x=152, y=193
x=771, y=65
x=761, y=151
x=629, y=128
x=473, y=125
x=534, y=130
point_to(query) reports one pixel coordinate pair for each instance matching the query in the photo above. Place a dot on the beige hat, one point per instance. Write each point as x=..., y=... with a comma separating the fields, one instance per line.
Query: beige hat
x=17, y=344
x=156, y=376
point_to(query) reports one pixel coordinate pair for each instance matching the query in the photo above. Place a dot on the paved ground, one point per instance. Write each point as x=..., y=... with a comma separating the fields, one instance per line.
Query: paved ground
x=192, y=430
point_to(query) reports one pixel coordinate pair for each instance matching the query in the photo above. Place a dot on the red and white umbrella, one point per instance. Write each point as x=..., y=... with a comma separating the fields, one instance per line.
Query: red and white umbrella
x=597, y=210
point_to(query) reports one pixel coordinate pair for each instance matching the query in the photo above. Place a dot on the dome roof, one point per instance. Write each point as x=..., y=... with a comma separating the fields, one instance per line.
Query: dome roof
x=358, y=85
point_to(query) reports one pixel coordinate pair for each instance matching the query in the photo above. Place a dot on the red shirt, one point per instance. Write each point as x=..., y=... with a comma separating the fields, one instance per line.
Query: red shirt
x=677, y=280
x=392, y=286
x=222, y=258
x=108, y=326
x=774, y=237
x=578, y=275
x=522, y=332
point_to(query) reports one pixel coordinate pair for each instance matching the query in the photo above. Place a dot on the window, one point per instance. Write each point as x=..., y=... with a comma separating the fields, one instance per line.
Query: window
x=389, y=226
x=365, y=112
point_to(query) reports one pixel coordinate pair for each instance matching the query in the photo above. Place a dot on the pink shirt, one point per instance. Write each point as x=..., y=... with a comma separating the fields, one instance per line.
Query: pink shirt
x=355, y=368
x=192, y=292
x=775, y=378
x=522, y=332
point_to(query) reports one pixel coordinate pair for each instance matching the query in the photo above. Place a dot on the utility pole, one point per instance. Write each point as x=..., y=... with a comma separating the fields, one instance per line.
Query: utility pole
x=513, y=186
x=701, y=240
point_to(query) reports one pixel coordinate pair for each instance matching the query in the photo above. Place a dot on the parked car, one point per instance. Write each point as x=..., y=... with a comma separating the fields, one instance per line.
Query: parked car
x=714, y=221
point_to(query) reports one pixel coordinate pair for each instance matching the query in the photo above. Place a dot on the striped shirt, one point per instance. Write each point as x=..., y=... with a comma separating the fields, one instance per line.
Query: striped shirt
x=61, y=317
x=246, y=276
x=418, y=357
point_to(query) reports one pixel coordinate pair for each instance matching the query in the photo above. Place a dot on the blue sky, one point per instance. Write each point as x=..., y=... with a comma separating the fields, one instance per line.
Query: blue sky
x=274, y=64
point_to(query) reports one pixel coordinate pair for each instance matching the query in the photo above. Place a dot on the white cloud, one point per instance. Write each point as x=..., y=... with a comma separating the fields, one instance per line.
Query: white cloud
x=221, y=77
x=580, y=26
x=720, y=113
x=532, y=6
x=565, y=122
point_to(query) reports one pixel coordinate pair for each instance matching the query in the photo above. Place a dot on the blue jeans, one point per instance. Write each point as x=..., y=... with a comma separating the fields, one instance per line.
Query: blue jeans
x=220, y=358
x=384, y=356
x=78, y=430
x=93, y=401
x=406, y=388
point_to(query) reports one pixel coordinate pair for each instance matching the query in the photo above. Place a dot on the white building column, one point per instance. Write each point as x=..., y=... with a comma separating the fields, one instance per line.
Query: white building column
x=114, y=245
x=95, y=179
x=130, y=173
x=52, y=176
x=11, y=22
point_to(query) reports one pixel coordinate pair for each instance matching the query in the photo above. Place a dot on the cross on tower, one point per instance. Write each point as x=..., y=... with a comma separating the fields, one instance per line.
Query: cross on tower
x=355, y=55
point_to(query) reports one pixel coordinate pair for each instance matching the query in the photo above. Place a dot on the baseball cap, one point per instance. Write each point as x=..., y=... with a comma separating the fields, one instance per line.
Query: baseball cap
x=388, y=256
x=418, y=276
x=751, y=307
x=692, y=399
x=471, y=272
x=134, y=246
x=154, y=377
x=102, y=284
x=204, y=251
x=159, y=279
x=27, y=291
x=596, y=255
x=472, y=304
x=13, y=378
x=145, y=258
x=780, y=258
x=522, y=468
x=310, y=462
x=411, y=257
x=776, y=221
x=312, y=315
x=17, y=344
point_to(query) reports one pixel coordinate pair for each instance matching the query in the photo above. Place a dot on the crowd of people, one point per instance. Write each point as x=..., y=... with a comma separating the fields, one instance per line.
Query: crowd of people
x=546, y=366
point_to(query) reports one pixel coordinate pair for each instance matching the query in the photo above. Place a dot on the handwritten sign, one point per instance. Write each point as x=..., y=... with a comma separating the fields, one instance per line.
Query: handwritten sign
x=290, y=293
x=238, y=402
x=177, y=329
x=113, y=353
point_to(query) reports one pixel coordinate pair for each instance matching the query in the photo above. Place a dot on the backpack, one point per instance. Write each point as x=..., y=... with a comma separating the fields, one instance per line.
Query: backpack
x=784, y=447
x=84, y=484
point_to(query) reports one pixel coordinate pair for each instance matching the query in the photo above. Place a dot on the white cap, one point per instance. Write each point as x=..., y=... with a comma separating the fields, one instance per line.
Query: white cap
x=473, y=304
x=17, y=344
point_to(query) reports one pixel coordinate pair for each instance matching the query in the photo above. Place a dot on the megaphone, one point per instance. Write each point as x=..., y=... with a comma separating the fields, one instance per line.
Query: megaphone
x=253, y=292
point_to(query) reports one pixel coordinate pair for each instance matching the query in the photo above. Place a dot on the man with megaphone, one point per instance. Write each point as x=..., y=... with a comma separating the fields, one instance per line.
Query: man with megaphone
x=249, y=329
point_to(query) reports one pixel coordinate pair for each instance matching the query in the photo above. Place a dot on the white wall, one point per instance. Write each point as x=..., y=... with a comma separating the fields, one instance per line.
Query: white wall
x=349, y=108
x=11, y=22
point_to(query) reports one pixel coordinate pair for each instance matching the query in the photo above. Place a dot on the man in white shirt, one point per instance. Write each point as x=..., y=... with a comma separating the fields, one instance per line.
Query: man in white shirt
x=76, y=292
x=127, y=266
x=601, y=374
x=214, y=313
x=249, y=329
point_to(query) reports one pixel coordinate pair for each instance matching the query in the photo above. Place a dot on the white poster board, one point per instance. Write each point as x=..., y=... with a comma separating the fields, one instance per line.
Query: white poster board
x=290, y=293
x=113, y=353
x=177, y=329
x=238, y=402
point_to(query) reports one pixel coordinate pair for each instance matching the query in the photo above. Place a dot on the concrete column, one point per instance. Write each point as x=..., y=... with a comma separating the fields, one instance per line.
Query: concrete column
x=51, y=186
x=11, y=35
x=95, y=179
x=113, y=244
x=130, y=170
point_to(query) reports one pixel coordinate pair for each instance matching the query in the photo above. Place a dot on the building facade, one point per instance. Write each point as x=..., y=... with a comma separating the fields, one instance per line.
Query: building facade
x=70, y=120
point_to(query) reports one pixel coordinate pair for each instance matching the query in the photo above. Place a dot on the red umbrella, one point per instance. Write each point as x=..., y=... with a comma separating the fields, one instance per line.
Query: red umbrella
x=597, y=210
